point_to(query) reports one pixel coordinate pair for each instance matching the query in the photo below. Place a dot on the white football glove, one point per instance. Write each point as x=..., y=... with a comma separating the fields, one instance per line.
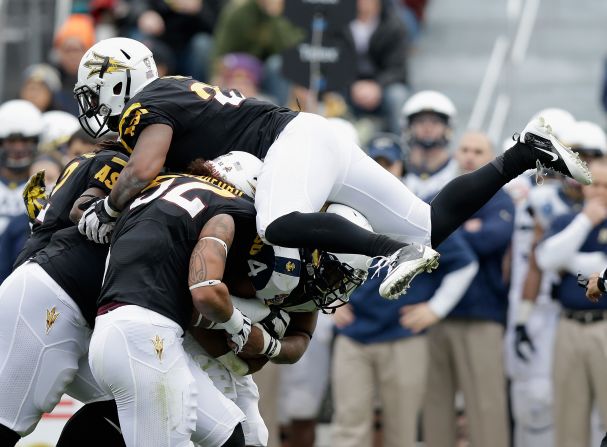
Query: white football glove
x=276, y=323
x=239, y=328
x=98, y=221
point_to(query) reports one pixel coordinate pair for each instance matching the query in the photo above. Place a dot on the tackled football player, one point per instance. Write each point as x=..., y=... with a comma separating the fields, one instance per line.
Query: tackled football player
x=46, y=302
x=171, y=121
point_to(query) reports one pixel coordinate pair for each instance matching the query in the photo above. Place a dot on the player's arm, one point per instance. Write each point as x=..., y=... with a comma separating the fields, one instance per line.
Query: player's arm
x=83, y=202
x=210, y=295
x=144, y=165
x=297, y=338
x=291, y=346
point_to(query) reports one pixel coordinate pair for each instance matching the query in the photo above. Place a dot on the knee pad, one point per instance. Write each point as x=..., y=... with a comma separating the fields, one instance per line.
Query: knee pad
x=237, y=438
x=8, y=437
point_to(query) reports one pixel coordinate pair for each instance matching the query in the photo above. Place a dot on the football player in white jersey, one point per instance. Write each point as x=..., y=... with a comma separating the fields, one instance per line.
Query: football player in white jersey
x=534, y=315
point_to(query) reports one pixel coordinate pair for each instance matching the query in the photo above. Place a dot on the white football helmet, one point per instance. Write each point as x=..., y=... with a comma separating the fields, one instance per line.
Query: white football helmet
x=238, y=168
x=428, y=101
x=328, y=279
x=588, y=138
x=58, y=128
x=19, y=120
x=111, y=72
x=559, y=120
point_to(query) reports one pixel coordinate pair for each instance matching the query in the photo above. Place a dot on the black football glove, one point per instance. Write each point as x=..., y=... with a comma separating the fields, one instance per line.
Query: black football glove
x=521, y=338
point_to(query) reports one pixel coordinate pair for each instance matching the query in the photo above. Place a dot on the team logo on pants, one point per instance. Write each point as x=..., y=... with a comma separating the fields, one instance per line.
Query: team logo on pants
x=158, y=346
x=51, y=317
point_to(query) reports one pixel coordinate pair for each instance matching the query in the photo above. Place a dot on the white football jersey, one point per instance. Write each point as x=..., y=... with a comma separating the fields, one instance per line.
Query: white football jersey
x=11, y=202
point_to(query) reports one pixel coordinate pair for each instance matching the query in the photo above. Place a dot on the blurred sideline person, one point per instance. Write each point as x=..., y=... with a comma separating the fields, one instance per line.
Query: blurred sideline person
x=377, y=341
x=465, y=349
x=530, y=347
x=380, y=44
x=21, y=126
x=577, y=242
x=427, y=121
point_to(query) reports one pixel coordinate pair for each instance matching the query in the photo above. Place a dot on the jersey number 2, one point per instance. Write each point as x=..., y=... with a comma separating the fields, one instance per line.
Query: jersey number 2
x=208, y=92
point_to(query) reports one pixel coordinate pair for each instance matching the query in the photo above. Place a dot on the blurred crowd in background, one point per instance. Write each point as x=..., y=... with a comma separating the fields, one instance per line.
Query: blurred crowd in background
x=499, y=347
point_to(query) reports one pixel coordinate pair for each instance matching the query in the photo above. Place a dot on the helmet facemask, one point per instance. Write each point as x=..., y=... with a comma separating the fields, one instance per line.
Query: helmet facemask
x=329, y=282
x=96, y=117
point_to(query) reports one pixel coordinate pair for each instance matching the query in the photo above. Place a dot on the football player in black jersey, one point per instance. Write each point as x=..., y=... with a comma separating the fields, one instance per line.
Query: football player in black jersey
x=45, y=302
x=174, y=236
x=173, y=120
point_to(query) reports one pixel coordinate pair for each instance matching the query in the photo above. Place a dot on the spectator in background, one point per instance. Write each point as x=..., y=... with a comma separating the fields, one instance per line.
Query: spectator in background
x=79, y=143
x=380, y=41
x=466, y=348
x=186, y=27
x=58, y=128
x=381, y=348
x=72, y=40
x=40, y=84
x=411, y=12
x=240, y=71
x=20, y=128
x=577, y=242
x=427, y=124
x=257, y=27
x=52, y=165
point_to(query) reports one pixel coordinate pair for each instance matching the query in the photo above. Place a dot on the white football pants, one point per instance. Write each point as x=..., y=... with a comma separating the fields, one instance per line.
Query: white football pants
x=43, y=337
x=242, y=390
x=163, y=398
x=310, y=164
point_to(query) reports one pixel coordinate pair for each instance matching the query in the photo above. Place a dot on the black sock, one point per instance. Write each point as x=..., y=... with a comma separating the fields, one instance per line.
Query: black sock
x=515, y=161
x=8, y=437
x=90, y=425
x=328, y=232
x=461, y=198
x=237, y=438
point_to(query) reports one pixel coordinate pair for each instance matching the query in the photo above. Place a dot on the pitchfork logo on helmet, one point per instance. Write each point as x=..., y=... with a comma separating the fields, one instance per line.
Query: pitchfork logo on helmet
x=111, y=72
x=107, y=64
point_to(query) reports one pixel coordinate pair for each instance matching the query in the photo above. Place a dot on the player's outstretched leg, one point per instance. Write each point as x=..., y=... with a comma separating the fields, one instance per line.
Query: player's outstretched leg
x=462, y=197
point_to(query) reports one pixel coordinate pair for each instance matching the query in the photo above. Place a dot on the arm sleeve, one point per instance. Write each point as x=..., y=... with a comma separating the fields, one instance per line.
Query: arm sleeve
x=585, y=263
x=563, y=242
x=453, y=287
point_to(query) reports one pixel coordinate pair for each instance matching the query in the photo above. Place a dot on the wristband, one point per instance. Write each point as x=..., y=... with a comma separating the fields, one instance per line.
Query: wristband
x=210, y=282
x=216, y=239
x=109, y=208
x=234, y=324
x=525, y=307
x=271, y=346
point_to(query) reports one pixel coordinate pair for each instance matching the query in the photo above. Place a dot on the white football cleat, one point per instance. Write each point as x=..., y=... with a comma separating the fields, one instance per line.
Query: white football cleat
x=404, y=265
x=552, y=154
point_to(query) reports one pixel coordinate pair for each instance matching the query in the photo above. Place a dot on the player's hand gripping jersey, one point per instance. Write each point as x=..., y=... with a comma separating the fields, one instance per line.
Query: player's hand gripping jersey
x=154, y=239
x=207, y=122
x=96, y=169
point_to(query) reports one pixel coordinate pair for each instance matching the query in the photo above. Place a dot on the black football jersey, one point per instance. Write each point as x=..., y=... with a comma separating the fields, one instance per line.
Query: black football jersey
x=96, y=169
x=207, y=122
x=77, y=265
x=154, y=238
